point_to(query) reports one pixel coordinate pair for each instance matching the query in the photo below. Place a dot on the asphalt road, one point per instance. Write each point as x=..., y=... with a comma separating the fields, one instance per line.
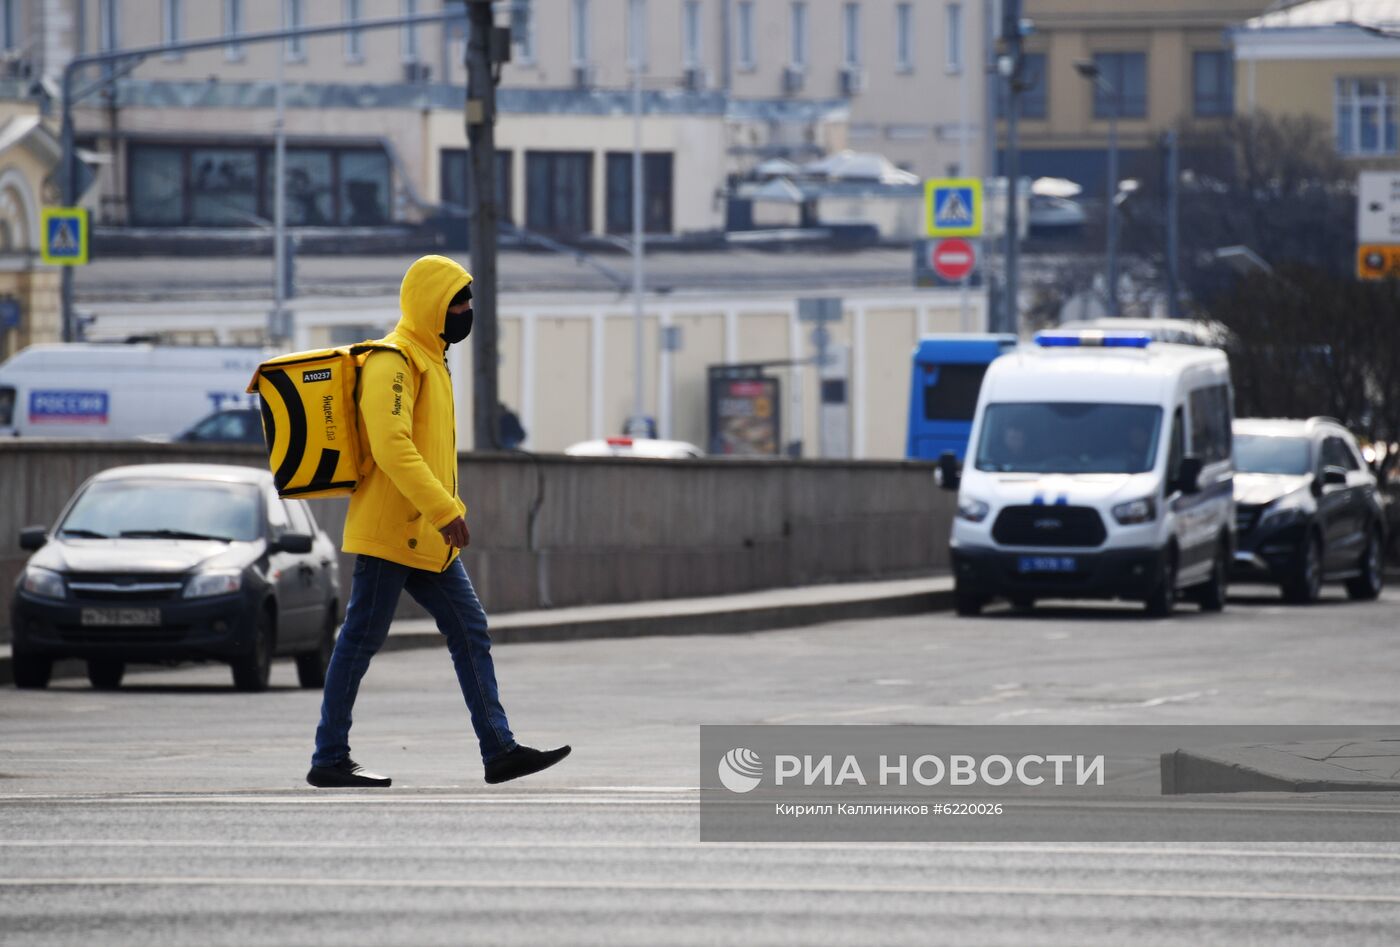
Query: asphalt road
x=172, y=812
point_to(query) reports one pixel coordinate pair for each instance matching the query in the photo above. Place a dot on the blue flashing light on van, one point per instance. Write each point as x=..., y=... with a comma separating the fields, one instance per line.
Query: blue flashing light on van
x=1093, y=339
x=947, y=377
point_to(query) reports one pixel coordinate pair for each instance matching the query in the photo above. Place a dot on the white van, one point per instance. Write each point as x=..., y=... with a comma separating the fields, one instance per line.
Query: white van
x=1099, y=467
x=114, y=390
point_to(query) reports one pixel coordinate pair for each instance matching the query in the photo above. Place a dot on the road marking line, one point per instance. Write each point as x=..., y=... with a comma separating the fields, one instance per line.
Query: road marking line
x=995, y=848
x=716, y=797
x=321, y=798
x=743, y=887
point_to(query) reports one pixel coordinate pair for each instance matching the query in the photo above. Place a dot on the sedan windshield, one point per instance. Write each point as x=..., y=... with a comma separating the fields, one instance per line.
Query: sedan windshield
x=1062, y=437
x=165, y=509
x=1264, y=454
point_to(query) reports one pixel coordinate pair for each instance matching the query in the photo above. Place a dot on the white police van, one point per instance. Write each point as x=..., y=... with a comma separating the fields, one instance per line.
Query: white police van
x=1100, y=466
x=119, y=390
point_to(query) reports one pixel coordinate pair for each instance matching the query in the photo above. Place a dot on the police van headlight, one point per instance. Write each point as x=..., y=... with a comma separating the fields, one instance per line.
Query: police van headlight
x=43, y=582
x=974, y=511
x=1136, y=511
x=205, y=584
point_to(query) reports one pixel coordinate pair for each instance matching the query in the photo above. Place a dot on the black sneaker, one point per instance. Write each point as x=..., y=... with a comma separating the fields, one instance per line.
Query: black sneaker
x=347, y=774
x=522, y=761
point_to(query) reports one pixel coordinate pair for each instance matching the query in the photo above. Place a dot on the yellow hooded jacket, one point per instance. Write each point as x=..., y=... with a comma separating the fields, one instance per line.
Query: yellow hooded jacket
x=408, y=420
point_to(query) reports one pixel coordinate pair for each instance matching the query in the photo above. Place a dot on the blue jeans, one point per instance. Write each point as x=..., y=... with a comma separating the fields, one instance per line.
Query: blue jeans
x=451, y=600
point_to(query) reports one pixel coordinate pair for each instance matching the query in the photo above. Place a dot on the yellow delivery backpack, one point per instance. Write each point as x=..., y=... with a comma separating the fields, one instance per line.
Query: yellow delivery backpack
x=310, y=413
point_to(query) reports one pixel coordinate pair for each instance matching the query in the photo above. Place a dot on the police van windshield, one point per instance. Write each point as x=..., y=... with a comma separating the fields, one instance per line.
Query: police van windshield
x=1064, y=437
x=7, y=406
x=1267, y=454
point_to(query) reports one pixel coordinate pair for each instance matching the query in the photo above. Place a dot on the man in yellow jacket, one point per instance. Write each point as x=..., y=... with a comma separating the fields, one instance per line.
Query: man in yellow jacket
x=407, y=526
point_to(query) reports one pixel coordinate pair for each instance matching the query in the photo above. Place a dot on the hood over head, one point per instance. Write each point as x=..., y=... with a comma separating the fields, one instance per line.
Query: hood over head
x=428, y=287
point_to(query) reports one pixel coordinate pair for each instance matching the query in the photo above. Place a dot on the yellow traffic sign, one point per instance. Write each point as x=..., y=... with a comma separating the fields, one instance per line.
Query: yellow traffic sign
x=953, y=207
x=64, y=233
x=1377, y=261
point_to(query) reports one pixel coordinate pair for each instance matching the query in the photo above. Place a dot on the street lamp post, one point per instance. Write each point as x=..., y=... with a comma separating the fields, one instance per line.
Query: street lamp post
x=1091, y=71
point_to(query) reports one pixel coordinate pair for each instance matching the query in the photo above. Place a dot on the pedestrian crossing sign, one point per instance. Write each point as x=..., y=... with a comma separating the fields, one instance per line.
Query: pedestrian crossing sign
x=65, y=236
x=953, y=207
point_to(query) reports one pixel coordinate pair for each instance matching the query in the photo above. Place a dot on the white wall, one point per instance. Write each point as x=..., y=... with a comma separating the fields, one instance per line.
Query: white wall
x=567, y=363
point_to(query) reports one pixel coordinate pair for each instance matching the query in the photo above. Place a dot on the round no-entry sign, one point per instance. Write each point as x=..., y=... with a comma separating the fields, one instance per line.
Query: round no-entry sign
x=953, y=259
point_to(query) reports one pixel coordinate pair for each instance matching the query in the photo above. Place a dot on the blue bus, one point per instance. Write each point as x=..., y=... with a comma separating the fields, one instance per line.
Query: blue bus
x=948, y=372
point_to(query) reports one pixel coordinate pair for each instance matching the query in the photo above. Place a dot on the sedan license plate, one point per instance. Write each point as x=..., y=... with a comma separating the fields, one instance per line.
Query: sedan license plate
x=1047, y=564
x=121, y=617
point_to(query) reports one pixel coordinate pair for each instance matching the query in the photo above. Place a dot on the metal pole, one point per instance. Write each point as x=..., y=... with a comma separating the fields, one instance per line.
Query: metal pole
x=481, y=141
x=1011, y=34
x=1173, y=226
x=69, y=187
x=638, y=224
x=280, y=330
x=991, y=89
x=964, y=159
x=1112, y=290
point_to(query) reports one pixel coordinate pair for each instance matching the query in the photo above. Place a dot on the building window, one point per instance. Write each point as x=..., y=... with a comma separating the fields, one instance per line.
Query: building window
x=294, y=17
x=171, y=185
x=1126, y=74
x=690, y=34
x=223, y=187
x=522, y=31
x=1035, y=96
x=656, y=201
x=1366, y=116
x=354, y=39
x=904, y=37
x=364, y=188
x=9, y=34
x=636, y=35
x=310, y=190
x=171, y=24
x=851, y=44
x=1213, y=83
x=580, y=37
x=455, y=184
x=559, y=192
x=233, y=28
x=408, y=39
x=748, y=58
x=953, y=14
x=799, y=34
x=157, y=186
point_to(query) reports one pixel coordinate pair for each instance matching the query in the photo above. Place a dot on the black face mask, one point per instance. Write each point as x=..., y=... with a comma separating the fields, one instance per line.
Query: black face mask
x=457, y=327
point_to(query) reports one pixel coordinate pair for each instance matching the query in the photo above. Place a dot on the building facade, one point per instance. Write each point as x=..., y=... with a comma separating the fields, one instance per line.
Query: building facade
x=375, y=117
x=1303, y=61
x=29, y=305
x=1168, y=64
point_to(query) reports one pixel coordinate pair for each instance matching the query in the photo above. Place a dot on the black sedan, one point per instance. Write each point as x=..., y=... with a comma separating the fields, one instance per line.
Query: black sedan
x=177, y=562
x=1307, y=509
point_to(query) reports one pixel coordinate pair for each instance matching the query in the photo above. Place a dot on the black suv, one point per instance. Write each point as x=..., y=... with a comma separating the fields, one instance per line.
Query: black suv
x=1306, y=508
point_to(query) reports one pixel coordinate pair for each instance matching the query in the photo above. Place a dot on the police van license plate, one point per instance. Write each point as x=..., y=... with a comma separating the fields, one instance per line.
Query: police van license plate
x=121, y=617
x=1047, y=564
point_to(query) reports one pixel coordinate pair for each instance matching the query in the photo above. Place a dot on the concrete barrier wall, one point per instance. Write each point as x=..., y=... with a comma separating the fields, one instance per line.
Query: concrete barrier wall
x=552, y=531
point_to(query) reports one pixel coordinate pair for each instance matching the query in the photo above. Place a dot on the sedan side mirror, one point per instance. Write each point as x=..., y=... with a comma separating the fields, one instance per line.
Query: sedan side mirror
x=949, y=470
x=1334, y=477
x=291, y=542
x=32, y=538
x=1188, y=475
